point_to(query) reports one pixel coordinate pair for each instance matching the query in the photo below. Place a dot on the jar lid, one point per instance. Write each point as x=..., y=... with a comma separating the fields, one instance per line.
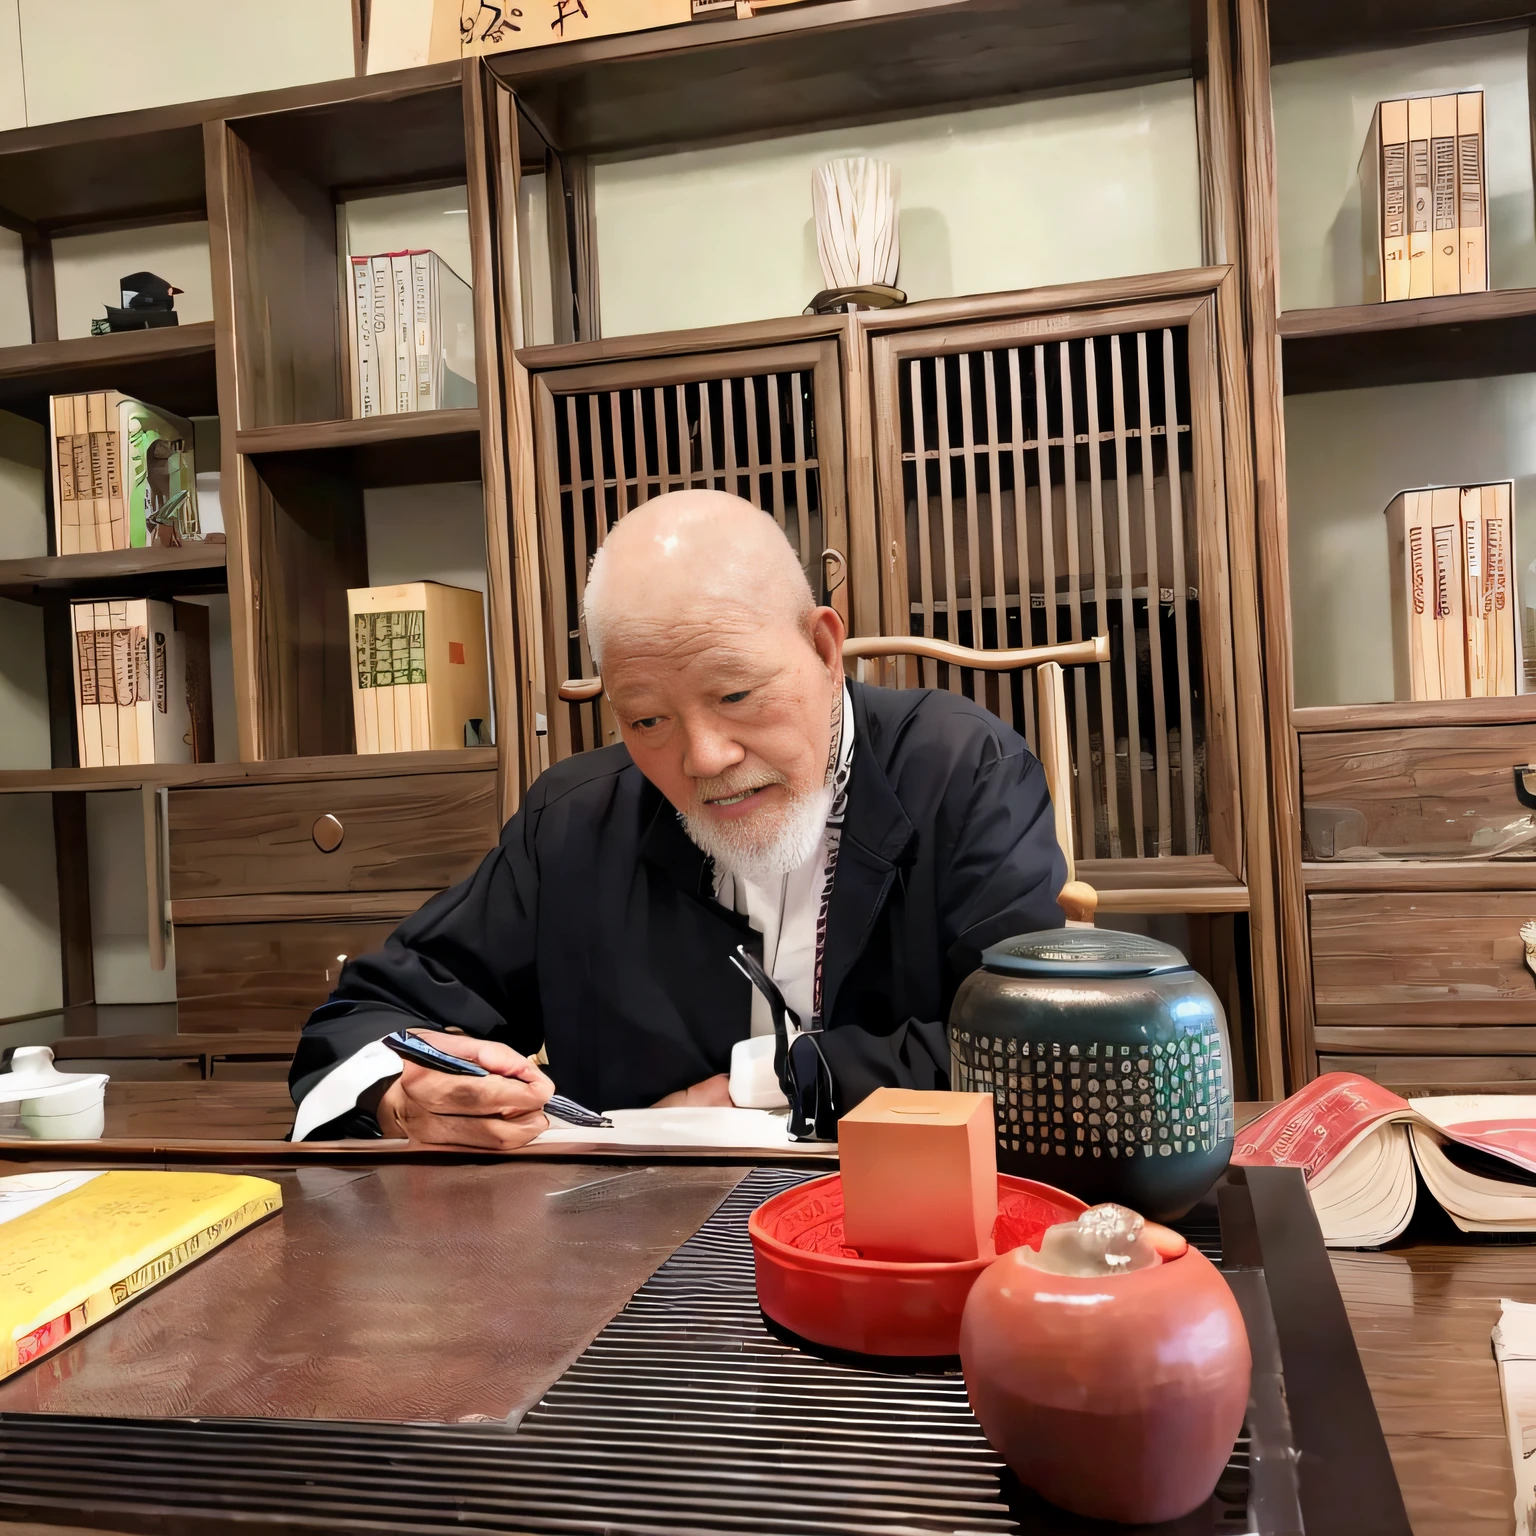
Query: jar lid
x=1083, y=952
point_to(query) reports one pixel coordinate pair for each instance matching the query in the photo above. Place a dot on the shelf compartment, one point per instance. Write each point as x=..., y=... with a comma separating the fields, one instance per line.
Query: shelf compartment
x=194, y=567
x=417, y=448
x=874, y=58
x=172, y=368
x=1304, y=29
x=1410, y=341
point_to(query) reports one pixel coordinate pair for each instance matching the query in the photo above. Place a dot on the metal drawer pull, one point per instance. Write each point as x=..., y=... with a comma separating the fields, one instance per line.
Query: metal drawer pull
x=327, y=833
x=1523, y=791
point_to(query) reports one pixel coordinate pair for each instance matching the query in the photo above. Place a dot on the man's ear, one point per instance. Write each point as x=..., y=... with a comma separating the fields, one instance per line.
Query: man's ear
x=827, y=635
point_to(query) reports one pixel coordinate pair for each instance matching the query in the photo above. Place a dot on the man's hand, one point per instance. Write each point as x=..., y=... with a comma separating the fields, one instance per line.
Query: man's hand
x=502, y=1111
x=713, y=1091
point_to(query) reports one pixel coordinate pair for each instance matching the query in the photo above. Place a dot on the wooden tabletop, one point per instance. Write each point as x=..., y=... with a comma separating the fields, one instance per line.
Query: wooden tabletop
x=488, y=1254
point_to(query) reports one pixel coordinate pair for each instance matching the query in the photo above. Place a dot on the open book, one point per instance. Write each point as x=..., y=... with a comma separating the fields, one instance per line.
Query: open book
x=1358, y=1144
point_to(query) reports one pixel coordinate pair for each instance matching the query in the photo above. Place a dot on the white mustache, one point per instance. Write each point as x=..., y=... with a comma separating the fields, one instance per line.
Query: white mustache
x=727, y=785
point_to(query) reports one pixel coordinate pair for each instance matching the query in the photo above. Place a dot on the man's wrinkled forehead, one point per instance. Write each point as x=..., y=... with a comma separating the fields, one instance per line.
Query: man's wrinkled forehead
x=730, y=637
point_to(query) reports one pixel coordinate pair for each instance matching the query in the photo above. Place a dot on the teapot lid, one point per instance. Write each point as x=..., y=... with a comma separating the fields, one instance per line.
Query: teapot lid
x=1083, y=952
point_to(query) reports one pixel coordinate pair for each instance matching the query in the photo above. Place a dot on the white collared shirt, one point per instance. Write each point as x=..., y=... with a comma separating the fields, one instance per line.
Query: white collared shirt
x=784, y=913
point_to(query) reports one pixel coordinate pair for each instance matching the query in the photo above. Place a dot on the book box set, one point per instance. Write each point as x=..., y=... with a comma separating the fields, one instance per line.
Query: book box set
x=1424, y=206
x=419, y=679
x=412, y=327
x=1455, y=632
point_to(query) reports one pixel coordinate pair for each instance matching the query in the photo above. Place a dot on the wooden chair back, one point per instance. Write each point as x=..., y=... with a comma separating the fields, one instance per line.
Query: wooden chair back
x=1078, y=900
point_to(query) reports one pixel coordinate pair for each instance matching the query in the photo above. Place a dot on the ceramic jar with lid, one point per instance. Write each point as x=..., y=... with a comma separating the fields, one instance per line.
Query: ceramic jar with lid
x=1117, y=1396
x=1108, y=1063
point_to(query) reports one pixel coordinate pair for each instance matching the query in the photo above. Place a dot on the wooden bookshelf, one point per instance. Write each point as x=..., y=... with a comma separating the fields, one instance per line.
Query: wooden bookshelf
x=193, y=567
x=173, y=367
x=267, y=172
x=1411, y=341
x=417, y=448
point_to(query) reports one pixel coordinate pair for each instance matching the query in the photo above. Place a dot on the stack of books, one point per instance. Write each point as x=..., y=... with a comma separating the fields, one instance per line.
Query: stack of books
x=124, y=475
x=412, y=334
x=419, y=679
x=1423, y=200
x=143, y=691
x=1454, y=625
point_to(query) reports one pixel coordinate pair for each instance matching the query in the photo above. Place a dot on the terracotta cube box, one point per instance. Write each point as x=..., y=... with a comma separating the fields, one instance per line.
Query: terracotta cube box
x=919, y=1175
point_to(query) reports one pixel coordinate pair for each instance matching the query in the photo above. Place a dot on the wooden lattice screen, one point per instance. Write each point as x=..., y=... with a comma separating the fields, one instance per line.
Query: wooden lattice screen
x=1092, y=435
x=765, y=424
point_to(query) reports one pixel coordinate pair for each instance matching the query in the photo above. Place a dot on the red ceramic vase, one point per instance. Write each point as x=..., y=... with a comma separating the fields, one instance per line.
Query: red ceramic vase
x=1117, y=1397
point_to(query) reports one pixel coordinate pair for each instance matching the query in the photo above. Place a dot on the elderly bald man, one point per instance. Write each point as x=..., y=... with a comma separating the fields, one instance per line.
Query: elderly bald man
x=867, y=843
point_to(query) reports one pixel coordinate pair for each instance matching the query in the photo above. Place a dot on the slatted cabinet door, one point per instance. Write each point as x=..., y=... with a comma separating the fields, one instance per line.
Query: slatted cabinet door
x=1049, y=477
x=764, y=423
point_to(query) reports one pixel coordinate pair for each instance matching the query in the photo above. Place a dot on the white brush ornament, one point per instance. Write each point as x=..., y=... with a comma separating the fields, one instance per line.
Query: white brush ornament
x=856, y=233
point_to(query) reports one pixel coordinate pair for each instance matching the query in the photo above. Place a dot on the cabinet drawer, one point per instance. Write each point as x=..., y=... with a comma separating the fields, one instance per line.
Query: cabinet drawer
x=1429, y=791
x=419, y=832
x=1443, y=957
x=233, y=977
x=1415, y=1075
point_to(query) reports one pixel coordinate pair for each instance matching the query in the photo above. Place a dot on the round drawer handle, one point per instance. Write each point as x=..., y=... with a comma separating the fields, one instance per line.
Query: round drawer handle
x=327, y=833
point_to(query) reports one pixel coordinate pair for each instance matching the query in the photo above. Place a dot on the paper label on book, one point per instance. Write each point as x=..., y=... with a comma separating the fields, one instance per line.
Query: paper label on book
x=114, y=666
x=1470, y=156
x=1444, y=540
x=1314, y=1127
x=1394, y=159
x=390, y=648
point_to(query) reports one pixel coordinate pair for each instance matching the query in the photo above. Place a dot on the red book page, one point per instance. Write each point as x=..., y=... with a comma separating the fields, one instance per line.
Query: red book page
x=1513, y=1140
x=1317, y=1125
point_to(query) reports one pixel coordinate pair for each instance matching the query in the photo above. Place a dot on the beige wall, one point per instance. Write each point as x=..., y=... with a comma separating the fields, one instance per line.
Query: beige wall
x=1051, y=190
x=13, y=98
x=30, y=979
x=1323, y=111
x=84, y=57
x=119, y=904
x=1347, y=455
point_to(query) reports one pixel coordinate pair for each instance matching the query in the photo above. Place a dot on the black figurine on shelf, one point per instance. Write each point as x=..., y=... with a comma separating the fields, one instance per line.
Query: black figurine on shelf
x=148, y=302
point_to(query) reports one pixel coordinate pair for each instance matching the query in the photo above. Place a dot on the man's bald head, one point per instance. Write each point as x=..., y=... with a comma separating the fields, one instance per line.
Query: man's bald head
x=725, y=678
x=691, y=557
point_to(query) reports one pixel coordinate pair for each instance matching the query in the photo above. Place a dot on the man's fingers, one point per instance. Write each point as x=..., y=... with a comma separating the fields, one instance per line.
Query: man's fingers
x=496, y=1057
x=443, y=1094
x=486, y=1132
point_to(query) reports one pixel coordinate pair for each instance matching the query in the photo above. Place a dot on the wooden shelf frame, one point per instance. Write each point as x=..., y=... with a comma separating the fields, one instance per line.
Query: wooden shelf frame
x=195, y=567
x=1412, y=341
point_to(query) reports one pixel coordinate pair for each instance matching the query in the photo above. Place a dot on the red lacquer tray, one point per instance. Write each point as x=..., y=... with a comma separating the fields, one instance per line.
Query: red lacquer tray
x=811, y=1284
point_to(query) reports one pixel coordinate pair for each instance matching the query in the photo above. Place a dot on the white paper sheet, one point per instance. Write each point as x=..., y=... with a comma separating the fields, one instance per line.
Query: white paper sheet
x=694, y=1126
x=1514, y=1347
x=23, y=1192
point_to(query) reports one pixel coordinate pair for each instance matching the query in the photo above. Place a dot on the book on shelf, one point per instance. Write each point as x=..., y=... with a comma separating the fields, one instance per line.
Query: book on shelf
x=1423, y=210
x=76, y=1246
x=1455, y=626
x=1471, y=197
x=1446, y=254
x=1384, y=202
x=1358, y=1146
x=143, y=691
x=124, y=474
x=412, y=330
x=419, y=678
x=1420, y=235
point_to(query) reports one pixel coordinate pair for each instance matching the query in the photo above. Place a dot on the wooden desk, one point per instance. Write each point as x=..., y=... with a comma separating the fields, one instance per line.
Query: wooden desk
x=422, y=1291
x=1421, y=1315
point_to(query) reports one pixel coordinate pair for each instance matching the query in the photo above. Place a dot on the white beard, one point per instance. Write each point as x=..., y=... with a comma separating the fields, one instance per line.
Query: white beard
x=760, y=854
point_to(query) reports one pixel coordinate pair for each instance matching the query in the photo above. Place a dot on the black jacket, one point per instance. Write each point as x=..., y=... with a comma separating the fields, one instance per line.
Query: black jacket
x=592, y=929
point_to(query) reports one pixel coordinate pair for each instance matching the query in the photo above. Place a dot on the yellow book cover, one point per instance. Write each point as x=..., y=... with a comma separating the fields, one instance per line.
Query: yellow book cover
x=74, y=1247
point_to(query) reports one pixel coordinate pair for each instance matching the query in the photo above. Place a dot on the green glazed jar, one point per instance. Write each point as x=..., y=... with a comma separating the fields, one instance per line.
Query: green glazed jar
x=1108, y=1062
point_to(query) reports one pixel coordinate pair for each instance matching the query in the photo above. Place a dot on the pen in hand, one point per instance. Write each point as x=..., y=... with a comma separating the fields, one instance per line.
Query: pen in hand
x=411, y=1047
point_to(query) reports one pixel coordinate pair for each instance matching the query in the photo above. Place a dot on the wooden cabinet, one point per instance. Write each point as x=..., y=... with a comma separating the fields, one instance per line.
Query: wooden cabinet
x=1418, y=792
x=274, y=885
x=1404, y=959
x=264, y=975
x=415, y=832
